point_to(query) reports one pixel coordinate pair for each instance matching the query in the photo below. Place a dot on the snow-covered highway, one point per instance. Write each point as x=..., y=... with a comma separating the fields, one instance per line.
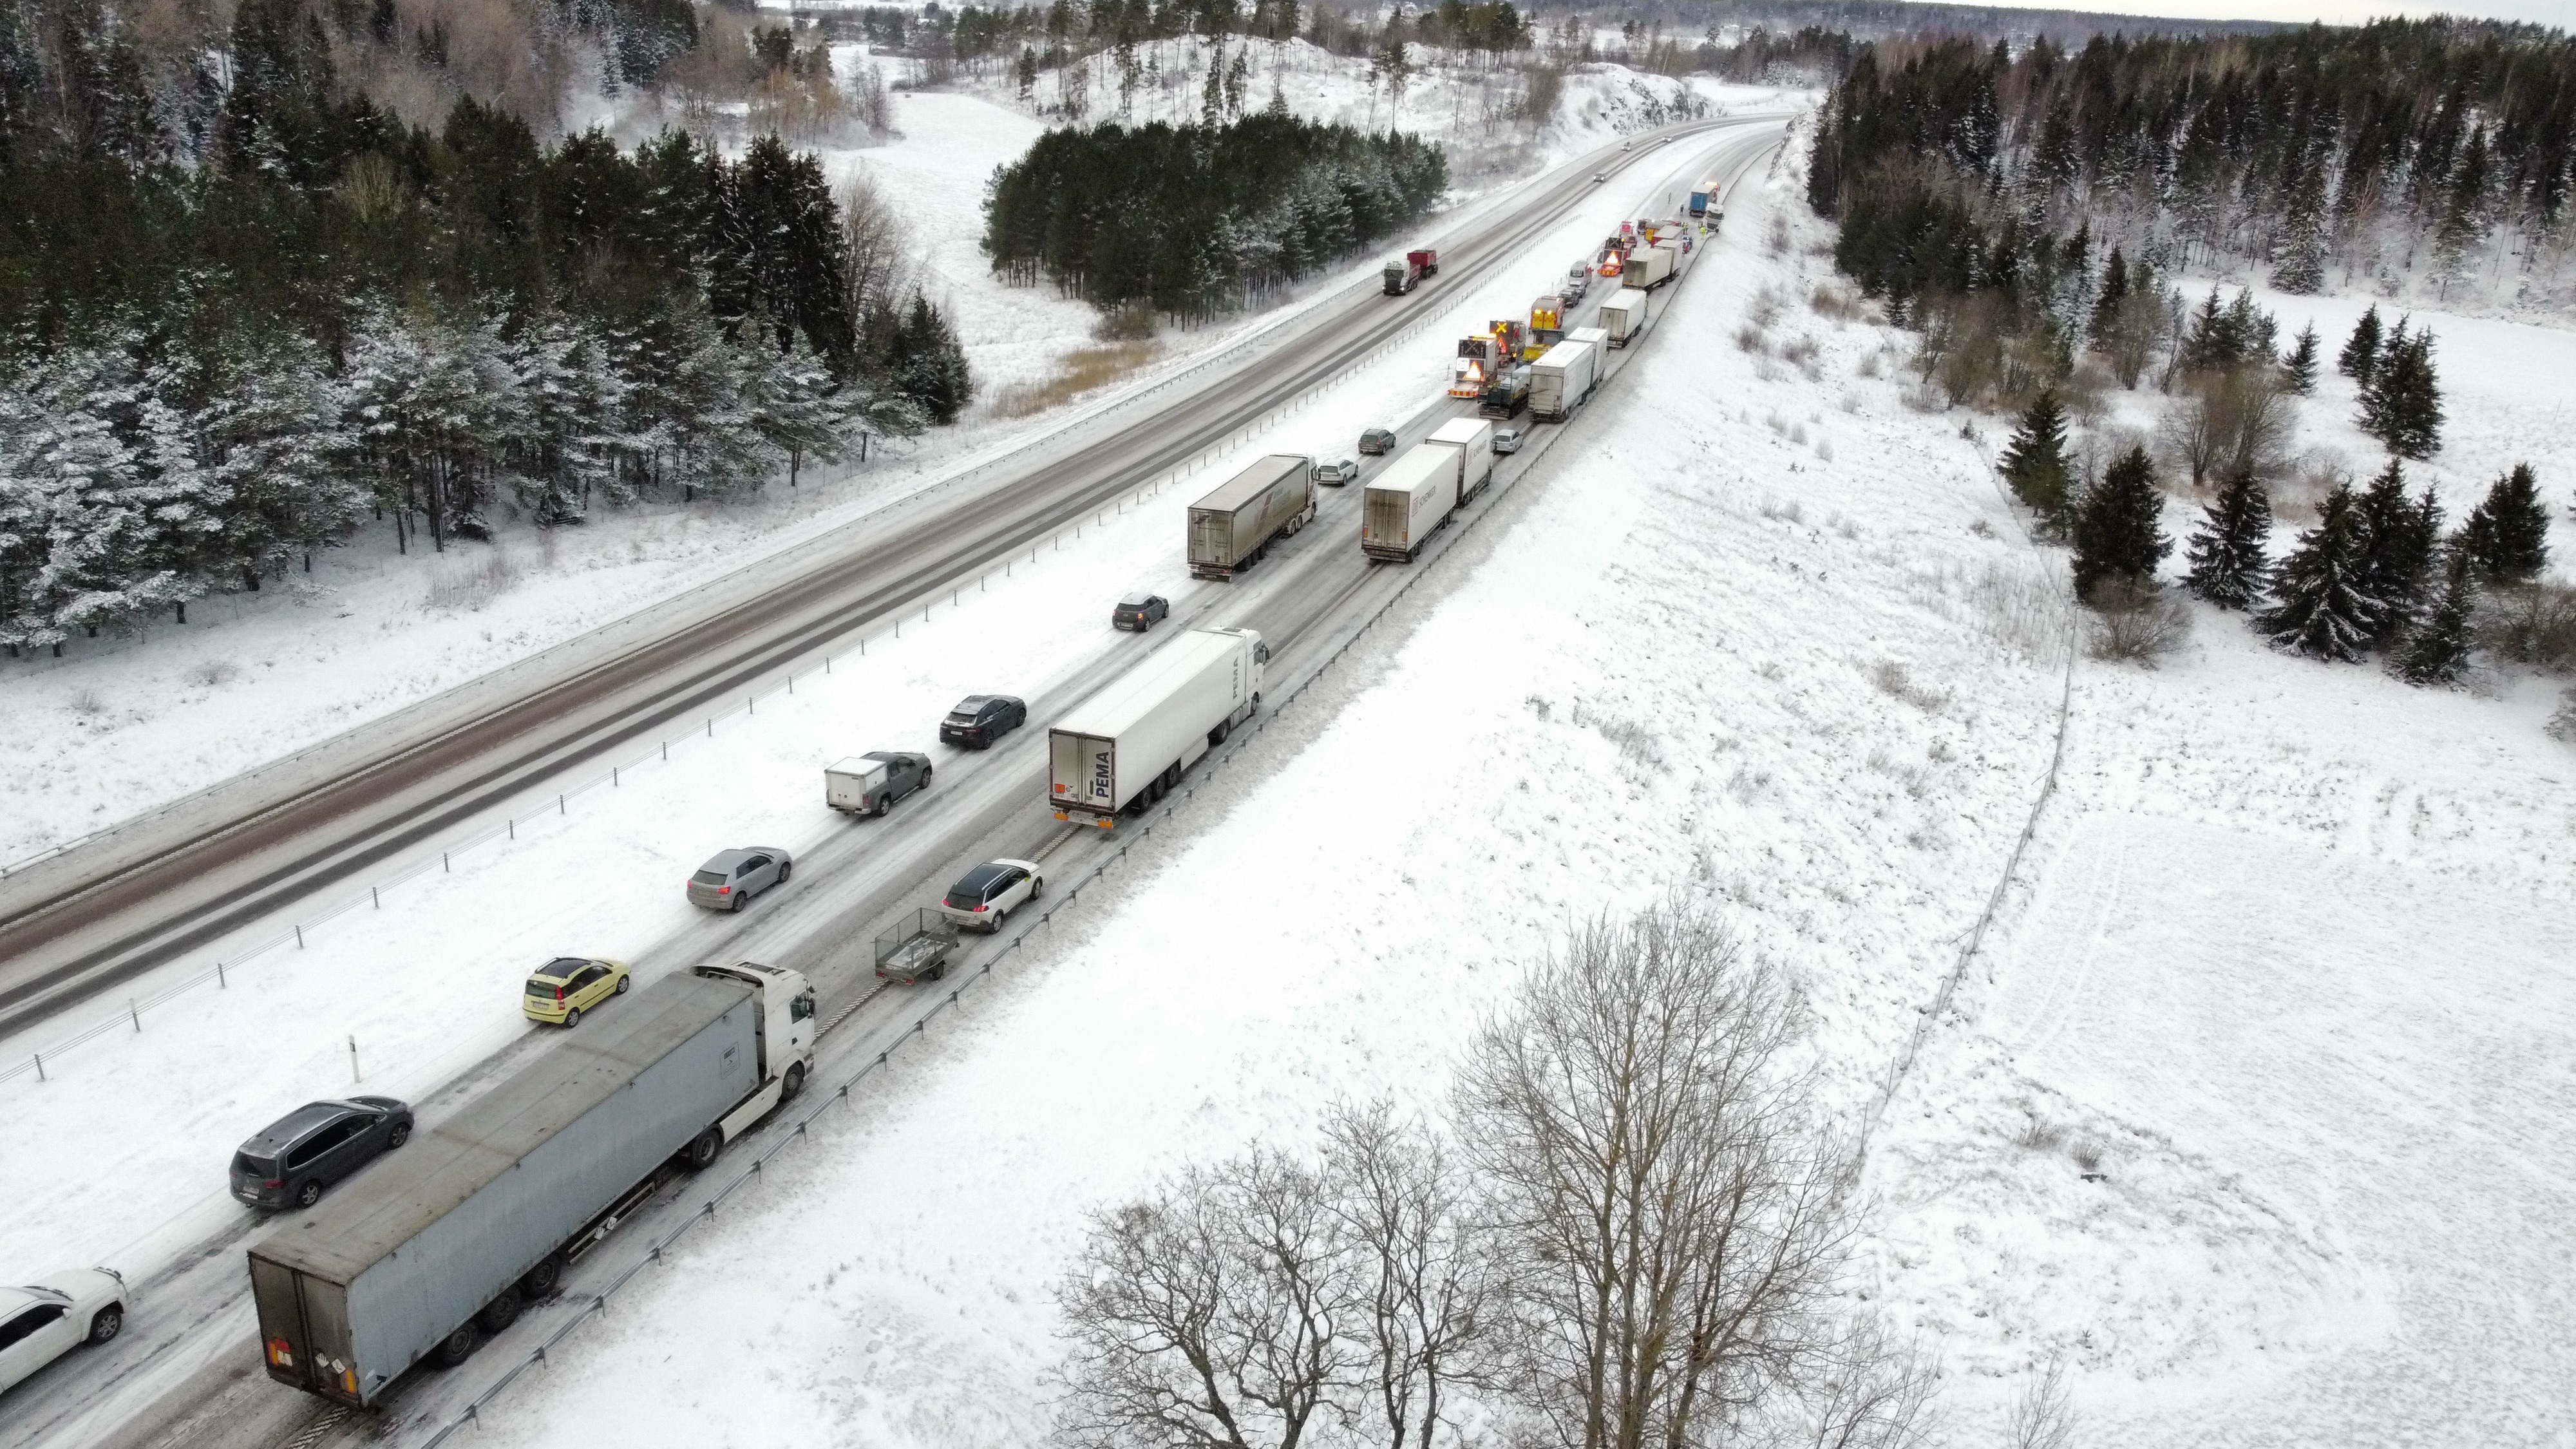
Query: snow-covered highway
x=193, y=1365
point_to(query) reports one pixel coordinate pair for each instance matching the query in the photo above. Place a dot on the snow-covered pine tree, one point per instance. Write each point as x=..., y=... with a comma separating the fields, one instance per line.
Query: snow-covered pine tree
x=2360, y=355
x=2402, y=403
x=2105, y=320
x=2119, y=525
x=2399, y=539
x=2319, y=609
x=2210, y=341
x=2034, y=462
x=2507, y=536
x=2299, y=365
x=573, y=395
x=2230, y=552
x=2437, y=652
x=279, y=457
x=2299, y=263
x=77, y=547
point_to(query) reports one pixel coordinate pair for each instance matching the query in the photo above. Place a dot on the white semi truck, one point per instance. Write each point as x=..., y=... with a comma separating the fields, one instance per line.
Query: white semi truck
x=1474, y=440
x=1624, y=316
x=1404, y=505
x=1561, y=379
x=443, y=1242
x=1127, y=745
x=1650, y=266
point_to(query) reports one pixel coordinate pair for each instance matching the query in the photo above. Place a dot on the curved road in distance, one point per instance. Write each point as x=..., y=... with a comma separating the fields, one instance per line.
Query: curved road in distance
x=88, y=920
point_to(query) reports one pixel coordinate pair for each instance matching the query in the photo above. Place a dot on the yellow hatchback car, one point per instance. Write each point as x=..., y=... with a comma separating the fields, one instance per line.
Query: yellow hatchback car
x=565, y=987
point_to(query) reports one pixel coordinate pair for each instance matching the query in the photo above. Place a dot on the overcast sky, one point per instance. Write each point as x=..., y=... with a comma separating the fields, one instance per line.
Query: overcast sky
x=2560, y=13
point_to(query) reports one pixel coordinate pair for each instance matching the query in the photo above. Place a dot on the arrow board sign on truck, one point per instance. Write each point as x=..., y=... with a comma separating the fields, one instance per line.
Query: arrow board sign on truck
x=1129, y=743
x=1232, y=528
x=1409, y=501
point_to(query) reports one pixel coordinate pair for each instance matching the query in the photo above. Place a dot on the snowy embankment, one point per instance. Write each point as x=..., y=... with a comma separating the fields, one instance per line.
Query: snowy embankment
x=1740, y=635
x=2290, y=974
x=426, y=981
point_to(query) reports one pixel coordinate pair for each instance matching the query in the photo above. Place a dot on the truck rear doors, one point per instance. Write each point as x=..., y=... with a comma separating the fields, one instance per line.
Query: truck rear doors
x=1084, y=772
x=304, y=1332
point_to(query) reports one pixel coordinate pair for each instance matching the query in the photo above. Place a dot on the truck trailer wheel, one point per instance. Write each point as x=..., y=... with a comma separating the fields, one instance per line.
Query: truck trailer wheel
x=501, y=1312
x=701, y=1152
x=540, y=1281
x=457, y=1347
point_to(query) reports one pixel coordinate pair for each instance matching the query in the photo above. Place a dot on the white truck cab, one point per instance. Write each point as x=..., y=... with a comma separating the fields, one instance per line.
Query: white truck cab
x=785, y=1031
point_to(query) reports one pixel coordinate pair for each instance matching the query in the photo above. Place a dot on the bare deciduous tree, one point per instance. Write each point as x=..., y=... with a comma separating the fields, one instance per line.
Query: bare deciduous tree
x=1871, y=1394
x=2042, y=1418
x=1421, y=1288
x=877, y=255
x=1212, y=1315
x=2232, y=420
x=1666, y=1216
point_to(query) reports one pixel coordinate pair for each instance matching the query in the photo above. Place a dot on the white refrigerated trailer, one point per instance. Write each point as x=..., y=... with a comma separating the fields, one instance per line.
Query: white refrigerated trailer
x=1408, y=502
x=1561, y=379
x=1474, y=440
x=1128, y=744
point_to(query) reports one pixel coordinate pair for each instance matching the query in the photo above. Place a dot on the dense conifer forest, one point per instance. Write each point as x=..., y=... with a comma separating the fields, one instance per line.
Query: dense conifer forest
x=2433, y=155
x=1195, y=219
x=238, y=322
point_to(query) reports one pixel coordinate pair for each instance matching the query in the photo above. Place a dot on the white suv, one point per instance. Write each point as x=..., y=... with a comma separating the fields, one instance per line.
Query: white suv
x=985, y=896
x=41, y=1322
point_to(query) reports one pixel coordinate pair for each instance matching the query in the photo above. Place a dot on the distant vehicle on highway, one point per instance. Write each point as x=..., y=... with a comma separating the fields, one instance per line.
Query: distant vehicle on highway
x=732, y=877
x=1627, y=145
x=985, y=896
x=1334, y=472
x=1374, y=441
x=565, y=987
x=869, y=784
x=1507, y=440
x=292, y=1160
x=1139, y=611
x=1600, y=176
x=42, y=1321
x=980, y=719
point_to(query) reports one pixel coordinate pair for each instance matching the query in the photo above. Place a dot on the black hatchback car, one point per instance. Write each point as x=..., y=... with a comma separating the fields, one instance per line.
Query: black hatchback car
x=980, y=719
x=291, y=1160
x=1139, y=612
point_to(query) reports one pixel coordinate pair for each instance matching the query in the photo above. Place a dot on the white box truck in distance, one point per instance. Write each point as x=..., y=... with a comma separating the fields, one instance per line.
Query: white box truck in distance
x=1649, y=267
x=446, y=1240
x=1406, y=503
x=1474, y=440
x=1560, y=380
x=1624, y=316
x=1128, y=744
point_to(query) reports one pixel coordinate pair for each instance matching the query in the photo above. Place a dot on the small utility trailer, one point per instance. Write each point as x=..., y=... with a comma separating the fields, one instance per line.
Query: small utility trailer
x=917, y=948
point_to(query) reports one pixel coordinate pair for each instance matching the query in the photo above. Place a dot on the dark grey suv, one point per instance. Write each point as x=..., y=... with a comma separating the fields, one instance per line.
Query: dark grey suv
x=294, y=1158
x=980, y=719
